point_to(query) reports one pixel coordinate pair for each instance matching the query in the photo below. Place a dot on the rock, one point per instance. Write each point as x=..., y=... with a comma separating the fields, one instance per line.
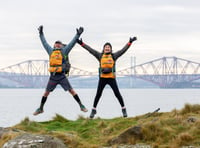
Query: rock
x=34, y=141
x=192, y=119
x=189, y=147
x=10, y=131
x=135, y=146
x=3, y=131
x=129, y=136
x=132, y=146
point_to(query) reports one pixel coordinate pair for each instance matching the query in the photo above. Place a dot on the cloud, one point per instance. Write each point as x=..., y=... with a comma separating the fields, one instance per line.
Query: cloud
x=163, y=27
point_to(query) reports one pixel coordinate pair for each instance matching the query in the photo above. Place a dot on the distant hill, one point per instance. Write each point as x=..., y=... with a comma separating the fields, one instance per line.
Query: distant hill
x=92, y=82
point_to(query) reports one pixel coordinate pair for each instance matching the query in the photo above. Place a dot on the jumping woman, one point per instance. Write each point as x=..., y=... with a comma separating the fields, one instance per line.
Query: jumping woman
x=107, y=61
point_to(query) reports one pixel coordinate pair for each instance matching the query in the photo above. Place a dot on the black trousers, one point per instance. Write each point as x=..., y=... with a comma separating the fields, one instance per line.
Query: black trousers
x=113, y=84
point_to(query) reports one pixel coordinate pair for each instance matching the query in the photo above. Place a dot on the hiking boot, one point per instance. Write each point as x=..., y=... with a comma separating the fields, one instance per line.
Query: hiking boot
x=83, y=108
x=124, y=112
x=38, y=111
x=93, y=113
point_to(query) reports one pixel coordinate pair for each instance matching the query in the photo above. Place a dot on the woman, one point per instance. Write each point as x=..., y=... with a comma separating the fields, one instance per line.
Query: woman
x=107, y=61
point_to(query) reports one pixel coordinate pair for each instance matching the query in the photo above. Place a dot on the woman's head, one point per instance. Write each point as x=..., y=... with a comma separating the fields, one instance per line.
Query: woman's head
x=107, y=48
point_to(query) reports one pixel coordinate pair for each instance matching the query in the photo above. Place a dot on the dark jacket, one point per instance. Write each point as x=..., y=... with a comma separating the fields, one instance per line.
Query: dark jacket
x=98, y=55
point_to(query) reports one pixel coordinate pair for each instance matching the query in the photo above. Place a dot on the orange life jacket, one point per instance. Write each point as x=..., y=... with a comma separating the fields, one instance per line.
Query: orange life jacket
x=56, y=61
x=107, y=64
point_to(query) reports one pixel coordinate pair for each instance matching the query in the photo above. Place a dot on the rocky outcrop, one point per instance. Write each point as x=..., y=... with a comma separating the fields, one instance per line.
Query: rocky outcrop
x=132, y=146
x=129, y=136
x=34, y=141
x=2, y=131
x=192, y=119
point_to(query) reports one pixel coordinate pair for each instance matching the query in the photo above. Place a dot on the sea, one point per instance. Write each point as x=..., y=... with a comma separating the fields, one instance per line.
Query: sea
x=17, y=104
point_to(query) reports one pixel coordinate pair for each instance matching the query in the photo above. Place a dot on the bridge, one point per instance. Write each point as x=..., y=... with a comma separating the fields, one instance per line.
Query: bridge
x=166, y=72
x=34, y=73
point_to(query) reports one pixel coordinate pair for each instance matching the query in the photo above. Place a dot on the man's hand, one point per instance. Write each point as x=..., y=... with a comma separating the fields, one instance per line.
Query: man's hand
x=132, y=39
x=40, y=29
x=80, y=30
x=79, y=41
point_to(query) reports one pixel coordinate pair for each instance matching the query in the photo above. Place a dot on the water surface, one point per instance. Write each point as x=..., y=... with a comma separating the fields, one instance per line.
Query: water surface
x=16, y=104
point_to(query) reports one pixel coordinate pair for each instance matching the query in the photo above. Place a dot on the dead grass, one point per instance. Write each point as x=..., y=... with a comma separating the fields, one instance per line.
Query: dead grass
x=6, y=137
x=183, y=139
x=169, y=129
x=189, y=108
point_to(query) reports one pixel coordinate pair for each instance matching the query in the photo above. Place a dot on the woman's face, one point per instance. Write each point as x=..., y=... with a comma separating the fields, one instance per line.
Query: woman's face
x=107, y=49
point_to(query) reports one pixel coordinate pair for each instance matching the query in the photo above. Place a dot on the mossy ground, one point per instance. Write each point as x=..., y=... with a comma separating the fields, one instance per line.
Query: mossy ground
x=159, y=130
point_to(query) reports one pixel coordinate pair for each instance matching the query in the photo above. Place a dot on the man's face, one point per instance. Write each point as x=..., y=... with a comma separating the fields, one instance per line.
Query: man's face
x=58, y=45
x=107, y=49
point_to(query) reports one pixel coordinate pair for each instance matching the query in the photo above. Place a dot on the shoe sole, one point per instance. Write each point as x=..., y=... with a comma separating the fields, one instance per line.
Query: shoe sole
x=37, y=113
x=84, y=110
x=91, y=117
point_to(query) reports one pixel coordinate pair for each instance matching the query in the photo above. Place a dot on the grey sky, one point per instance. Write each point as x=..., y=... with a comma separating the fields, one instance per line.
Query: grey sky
x=163, y=28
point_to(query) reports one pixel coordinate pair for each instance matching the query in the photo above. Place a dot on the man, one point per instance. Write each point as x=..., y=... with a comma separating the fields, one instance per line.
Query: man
x=58, y=67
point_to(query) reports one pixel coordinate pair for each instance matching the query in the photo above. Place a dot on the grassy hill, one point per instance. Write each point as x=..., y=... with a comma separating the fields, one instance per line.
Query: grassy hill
x=171, y=129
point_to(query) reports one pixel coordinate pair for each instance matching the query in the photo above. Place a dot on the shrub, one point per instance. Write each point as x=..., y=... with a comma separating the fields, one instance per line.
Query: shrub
x=188, y=108
x=183, y=139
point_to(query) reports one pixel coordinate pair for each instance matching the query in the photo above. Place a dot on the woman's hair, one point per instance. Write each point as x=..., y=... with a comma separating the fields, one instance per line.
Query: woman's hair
x=106, y=45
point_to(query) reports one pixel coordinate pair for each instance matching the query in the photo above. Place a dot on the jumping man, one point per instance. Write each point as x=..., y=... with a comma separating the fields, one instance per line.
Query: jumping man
x=58, y=67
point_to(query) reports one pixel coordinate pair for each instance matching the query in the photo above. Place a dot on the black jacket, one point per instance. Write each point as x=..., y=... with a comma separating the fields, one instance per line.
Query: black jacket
x=98, y=55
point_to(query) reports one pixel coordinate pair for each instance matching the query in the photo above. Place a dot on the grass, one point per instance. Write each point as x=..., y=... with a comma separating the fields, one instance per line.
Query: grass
x=169, y=129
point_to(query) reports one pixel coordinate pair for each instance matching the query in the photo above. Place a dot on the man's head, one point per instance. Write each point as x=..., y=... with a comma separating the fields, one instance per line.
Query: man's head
x=107, y=48
x=58, y=44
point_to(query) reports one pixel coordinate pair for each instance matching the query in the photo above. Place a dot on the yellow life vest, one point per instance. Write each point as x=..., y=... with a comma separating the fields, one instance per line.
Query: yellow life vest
x=107, y=66
x=56, y=61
